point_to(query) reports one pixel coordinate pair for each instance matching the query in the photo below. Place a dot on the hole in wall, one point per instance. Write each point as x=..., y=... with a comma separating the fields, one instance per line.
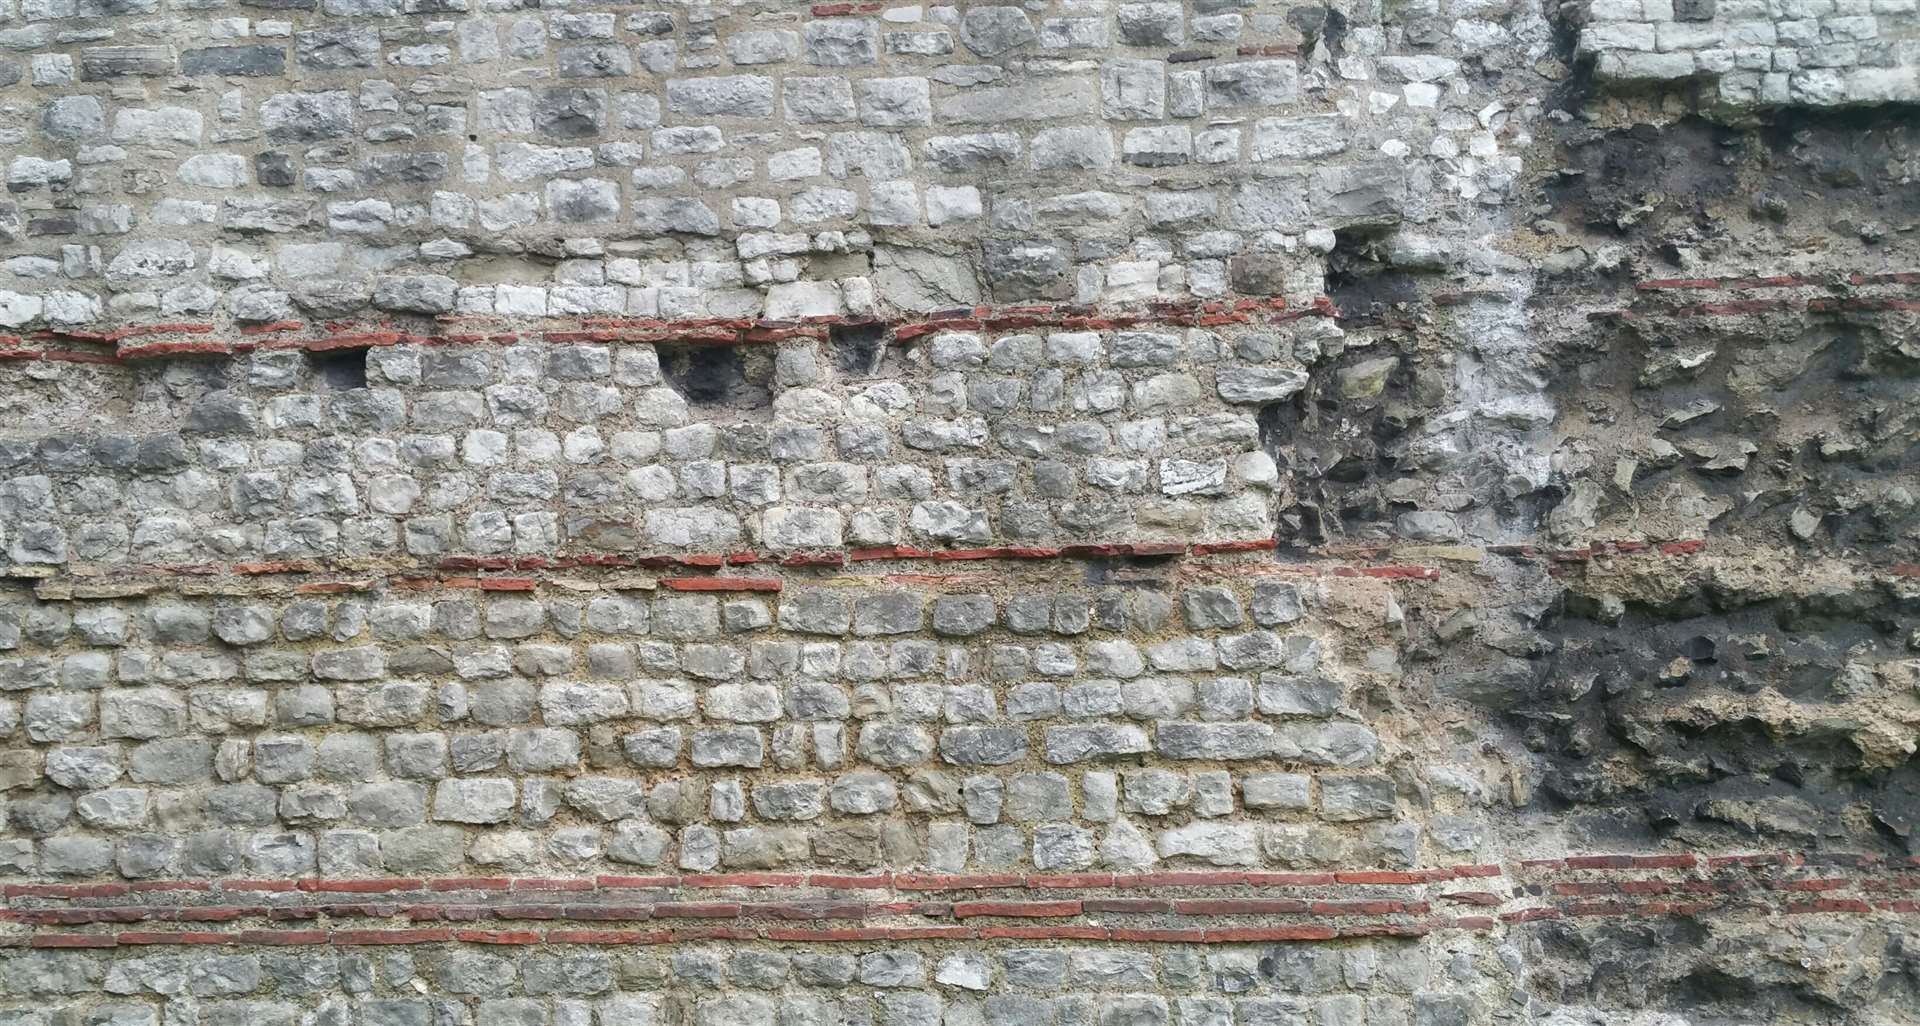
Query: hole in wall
x=1318, y=24
x=1134, y=570
x=858, y=349
x=338, y=370
x=718, y=375
x=1359, y=281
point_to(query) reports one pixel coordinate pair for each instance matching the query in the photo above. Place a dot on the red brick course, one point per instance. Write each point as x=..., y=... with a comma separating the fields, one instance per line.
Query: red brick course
x=1209, y=907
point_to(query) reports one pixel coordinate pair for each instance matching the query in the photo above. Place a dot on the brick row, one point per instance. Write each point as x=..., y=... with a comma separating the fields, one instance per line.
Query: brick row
x=1735, y=884
x=447, y=573
x=1749, y=307
x=129, y=345
x=463, y=572
x=923, y=883
x=917, y=882
x=1778, y=281
x=683, y=935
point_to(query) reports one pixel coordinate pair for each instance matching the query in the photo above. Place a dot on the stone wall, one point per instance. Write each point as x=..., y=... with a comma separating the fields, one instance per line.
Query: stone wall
x=1202, y=513
x=1763, y=54
x=895, y=726
x=426, y=450
x=689, y=162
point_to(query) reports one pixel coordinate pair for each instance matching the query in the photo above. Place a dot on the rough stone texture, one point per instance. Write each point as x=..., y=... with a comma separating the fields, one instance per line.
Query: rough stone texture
x=1159, y=513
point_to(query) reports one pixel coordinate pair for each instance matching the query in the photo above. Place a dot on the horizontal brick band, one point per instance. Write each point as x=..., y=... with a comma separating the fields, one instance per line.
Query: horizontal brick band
x=1283, y=906
x=462, y=572
x=1749, y=307
x=1778, y=281
x=156, y=341
x=938, y=882
x=489, y=573
x=1217, y=935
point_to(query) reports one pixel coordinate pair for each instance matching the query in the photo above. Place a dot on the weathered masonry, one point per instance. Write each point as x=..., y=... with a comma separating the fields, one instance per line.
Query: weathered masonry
x=1066, y=513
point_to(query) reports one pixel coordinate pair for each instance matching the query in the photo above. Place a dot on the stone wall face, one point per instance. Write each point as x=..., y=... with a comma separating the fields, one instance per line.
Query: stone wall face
x=850, y=724
x=1202, y=513
x=1812, y=55
x=537, y=449
x=684, y=162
